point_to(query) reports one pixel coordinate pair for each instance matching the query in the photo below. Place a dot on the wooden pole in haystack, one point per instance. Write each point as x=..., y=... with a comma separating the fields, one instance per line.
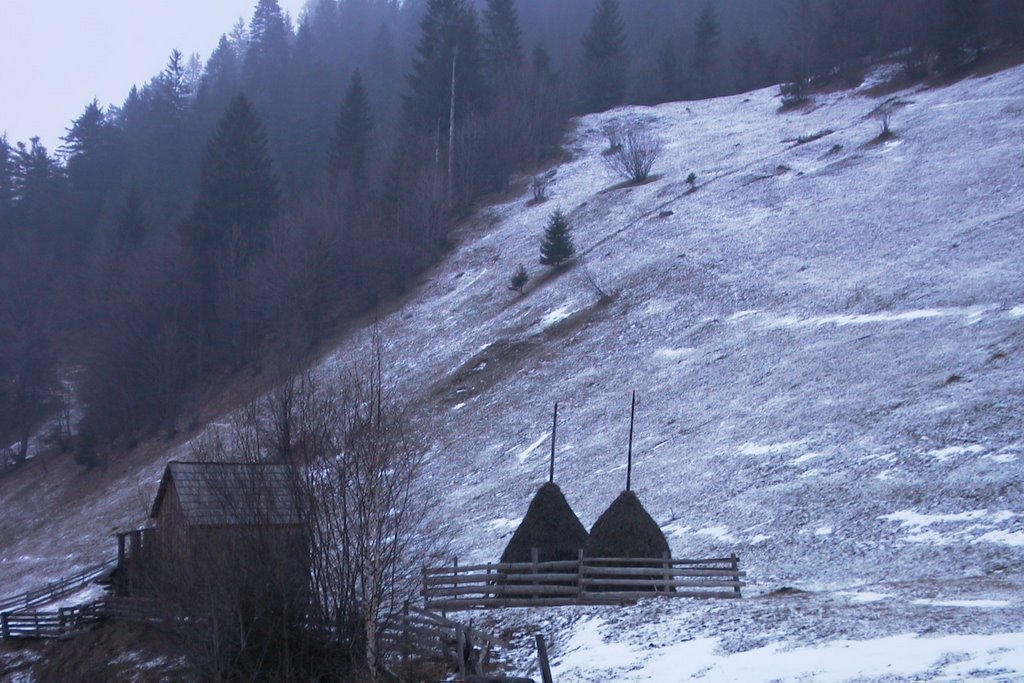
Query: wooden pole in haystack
x=629, y=457
x=554, y=430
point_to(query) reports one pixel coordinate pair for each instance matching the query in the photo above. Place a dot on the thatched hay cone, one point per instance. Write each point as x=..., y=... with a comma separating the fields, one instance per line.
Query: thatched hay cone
x=551, y=526
x=626, y=530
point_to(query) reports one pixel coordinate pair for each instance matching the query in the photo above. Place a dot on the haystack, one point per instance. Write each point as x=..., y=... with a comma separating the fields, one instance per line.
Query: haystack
x=626, y=530
x=550, y=526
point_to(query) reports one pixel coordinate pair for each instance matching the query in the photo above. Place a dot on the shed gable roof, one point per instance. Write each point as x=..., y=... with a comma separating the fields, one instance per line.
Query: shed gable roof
x=232, y=494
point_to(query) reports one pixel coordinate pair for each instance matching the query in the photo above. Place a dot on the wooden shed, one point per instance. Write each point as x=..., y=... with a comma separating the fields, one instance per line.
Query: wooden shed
x=214, y=519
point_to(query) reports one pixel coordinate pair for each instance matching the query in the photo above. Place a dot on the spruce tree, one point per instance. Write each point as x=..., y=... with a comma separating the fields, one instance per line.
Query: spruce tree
x=94, y=161
x=220, y=81
x=448, y=36
x=705, y=48
x=556, y=247
x=502, y=40
x=130, y=231
x=6, y=191
x=519, y=279
x=238, y=193
x=267, y=45
x=350, y=147
x=604, y=59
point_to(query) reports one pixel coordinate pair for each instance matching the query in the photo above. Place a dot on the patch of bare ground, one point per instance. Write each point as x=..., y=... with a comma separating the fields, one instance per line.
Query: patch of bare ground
x=113, y=652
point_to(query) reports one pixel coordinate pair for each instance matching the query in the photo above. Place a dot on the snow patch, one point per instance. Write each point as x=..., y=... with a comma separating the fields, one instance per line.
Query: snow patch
x=916, y=519
x=670, y=355
x=1013, y=538
x=501, y=524
x=587, y=651
x=769, y=449
x=719, y=533
x=944, y=454
x=555, y=317
x=903, y=656
x=526, y=452
x=864, y=597
x=804, y=458
x=918, y=527
x=1001, y=458
x=970, y=314
x=1016, y=312
x=986, y=604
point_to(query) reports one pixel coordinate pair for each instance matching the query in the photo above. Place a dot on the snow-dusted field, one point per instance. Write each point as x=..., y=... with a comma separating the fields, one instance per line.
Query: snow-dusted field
x=827, y=340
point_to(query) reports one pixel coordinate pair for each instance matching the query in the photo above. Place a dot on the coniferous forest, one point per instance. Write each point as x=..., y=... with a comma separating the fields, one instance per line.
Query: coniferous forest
x=238, y=210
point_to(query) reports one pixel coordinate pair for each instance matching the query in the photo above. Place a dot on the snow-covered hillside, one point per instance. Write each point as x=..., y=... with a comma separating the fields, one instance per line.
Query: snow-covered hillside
x=827, y=340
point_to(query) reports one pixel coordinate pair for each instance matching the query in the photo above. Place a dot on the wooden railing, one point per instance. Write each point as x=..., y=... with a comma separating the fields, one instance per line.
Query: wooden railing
x=582, y=581
x=67, y=621
x=418, y=635
x=61, y=623
x=56, y=590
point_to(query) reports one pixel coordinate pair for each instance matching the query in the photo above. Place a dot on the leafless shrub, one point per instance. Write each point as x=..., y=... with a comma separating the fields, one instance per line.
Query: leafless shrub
x=539, y=187
x=884, y=113
x=636, y=156
x=613, y=134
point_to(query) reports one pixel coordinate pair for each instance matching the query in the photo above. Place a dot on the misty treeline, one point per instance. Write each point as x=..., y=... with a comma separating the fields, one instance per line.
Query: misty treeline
x=234, y=209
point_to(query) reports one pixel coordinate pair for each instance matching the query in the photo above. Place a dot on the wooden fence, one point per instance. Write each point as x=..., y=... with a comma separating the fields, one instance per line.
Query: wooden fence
x=67, y=621
x=418, y=634
x=575, y=582
x=56, y=590
x=64, y=622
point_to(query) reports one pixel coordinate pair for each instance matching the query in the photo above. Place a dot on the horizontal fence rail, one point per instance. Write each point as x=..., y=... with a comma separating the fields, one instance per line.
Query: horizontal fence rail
x=68, y=621
x=582, y=581
x=56, y=590
x=64, y=622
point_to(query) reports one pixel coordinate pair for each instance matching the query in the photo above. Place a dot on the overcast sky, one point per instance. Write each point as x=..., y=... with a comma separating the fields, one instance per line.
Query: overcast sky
x=57, y=55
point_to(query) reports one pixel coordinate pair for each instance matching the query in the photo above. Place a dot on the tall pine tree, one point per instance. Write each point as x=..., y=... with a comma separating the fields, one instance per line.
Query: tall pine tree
x=502, y=40
x=449, y=43
x=238, y=193
x=350, y=147
x=605, y=60
x=132, y=226
x=94, y=162
x=6, y=190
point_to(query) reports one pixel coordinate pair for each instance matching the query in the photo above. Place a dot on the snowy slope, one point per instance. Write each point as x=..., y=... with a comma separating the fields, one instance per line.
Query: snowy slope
x=827, y=338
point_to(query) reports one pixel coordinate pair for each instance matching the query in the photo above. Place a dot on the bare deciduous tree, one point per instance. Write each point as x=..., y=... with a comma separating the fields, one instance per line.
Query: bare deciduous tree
x=354, y=461
x=636, y=155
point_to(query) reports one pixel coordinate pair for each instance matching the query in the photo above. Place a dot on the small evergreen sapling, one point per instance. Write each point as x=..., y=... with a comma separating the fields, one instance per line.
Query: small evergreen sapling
x=556, y=248
x=519, y=279
x=692, y=180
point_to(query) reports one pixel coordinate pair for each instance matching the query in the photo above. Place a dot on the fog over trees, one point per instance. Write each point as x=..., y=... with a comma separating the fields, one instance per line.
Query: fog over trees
x=231, y=211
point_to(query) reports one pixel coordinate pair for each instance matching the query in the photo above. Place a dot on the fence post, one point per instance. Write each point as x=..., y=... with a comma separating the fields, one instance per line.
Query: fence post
x=534, y=557
x=579, y=576
x=667, y=574
x=5, y=626
x=542, y=658
x=425, y=594
x=405, y=638
x=736, y=568
x=120, y=550
x=460, y=644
